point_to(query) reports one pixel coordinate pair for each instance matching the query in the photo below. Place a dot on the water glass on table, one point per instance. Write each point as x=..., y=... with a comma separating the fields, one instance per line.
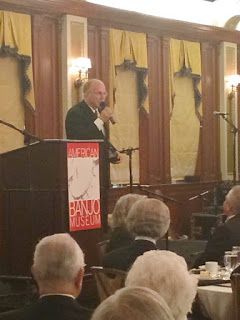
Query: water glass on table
x=236, y=249
x=230, y=260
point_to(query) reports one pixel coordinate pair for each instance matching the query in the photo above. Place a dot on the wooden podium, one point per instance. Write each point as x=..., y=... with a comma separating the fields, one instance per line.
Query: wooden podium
x=34, y=203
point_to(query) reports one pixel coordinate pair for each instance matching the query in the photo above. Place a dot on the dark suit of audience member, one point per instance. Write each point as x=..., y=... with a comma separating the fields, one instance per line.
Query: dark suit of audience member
x=223, y=239
x=148, y=220
x=49, y=308
x=123, y=258
x=120, y=237
x=227, y=234
x=58, y=269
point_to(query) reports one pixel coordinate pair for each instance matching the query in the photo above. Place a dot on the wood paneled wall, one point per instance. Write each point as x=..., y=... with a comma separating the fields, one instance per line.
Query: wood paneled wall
x=154, y=128
x=46, y=63
x=209, y=147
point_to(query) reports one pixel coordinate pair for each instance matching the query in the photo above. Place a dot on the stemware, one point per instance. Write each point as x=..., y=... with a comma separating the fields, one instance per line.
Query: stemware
x=236, y=249
x=230, y=260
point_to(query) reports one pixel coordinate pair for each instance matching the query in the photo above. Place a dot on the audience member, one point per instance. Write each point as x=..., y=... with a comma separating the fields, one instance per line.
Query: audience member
x=166, y=273
x=120, y=236
x=58, y=269
x=133, y=303
x=148, y=220
x=227, y=234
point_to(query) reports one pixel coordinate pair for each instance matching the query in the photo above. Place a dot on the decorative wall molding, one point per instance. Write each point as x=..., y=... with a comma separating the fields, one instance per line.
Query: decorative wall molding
x=74, y=45
x=228, y=66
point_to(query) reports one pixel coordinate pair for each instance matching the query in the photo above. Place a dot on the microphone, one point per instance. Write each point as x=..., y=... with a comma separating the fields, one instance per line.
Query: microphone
x=218, y=113
x=103, y=106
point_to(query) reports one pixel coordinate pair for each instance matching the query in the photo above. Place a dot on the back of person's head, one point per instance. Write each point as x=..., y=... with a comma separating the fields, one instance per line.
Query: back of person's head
x=166, y=273
x=148, y=217
x=135, y=303
x=233, y=197
x=122, y=207
x=57, y=258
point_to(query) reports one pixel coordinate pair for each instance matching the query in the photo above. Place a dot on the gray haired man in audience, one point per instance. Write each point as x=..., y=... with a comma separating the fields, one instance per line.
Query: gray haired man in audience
x=166, y=273
x=120, y=236
x=148, y=220
x=227, y=234
x=133, y=303
x=58, y=269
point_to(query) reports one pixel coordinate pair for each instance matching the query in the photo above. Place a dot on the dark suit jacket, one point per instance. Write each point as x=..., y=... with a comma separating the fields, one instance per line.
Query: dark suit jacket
x=123, y=258
x=224, y=237
x=80, y=126
x=50, y=308
x=80, y=123
x=119, y=238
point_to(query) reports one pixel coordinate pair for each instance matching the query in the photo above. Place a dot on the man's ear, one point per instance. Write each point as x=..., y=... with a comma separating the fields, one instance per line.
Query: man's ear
x=79, y=279
x=229, y=208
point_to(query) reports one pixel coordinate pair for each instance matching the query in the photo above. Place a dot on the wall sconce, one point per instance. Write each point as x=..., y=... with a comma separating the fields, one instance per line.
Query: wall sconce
x=81, y=65
x=233, y=82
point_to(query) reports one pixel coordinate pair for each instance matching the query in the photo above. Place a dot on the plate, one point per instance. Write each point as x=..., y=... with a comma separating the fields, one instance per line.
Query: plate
x=209, y=282
x=209, y=278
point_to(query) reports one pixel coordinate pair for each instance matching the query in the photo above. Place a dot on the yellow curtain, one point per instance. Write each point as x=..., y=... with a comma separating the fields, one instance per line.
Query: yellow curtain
x=185, y=107
x=125, y=133
x=11, y=109
x=130, y=46
x=15, y=32
x=126, y=45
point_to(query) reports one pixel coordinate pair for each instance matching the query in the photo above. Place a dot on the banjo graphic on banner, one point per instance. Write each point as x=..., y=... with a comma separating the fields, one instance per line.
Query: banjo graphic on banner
x=83, y=186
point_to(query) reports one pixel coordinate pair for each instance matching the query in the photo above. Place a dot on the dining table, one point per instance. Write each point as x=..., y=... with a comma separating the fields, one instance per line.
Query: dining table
x=216, y=301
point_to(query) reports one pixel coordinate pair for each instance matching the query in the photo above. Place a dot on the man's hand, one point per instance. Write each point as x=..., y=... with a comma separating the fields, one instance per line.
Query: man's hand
x=106, y=114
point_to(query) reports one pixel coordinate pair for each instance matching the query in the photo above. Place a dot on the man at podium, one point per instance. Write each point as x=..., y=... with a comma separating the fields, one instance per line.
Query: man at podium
x=85, y=121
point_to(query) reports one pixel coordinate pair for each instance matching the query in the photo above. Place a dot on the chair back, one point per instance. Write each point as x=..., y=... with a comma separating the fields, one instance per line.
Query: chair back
x=235, y=283
x=17, y=292
x=108, y=280
x=102, y=249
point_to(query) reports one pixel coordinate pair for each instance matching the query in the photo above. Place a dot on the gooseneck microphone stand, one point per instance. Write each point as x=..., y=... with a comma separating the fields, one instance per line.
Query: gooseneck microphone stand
x=23, y=132
x=234, y=130
x=129, y=152
x=202, y=197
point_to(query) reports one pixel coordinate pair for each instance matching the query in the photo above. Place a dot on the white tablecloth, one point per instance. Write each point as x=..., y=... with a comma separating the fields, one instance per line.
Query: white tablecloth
x=217, y=302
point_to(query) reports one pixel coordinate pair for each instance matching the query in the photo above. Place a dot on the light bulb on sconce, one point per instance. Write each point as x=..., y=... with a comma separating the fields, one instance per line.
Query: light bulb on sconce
x=233, y=81
x=81, y=65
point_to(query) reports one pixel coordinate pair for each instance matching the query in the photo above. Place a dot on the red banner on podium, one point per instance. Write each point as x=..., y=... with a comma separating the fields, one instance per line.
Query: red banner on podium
x=83, y=185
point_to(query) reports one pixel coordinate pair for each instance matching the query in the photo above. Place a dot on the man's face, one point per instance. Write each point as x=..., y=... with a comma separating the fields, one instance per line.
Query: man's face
x=95, y=95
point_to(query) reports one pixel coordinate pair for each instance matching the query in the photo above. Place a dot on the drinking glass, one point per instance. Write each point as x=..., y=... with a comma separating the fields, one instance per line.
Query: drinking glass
x=236, y=250
x=230, y=260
